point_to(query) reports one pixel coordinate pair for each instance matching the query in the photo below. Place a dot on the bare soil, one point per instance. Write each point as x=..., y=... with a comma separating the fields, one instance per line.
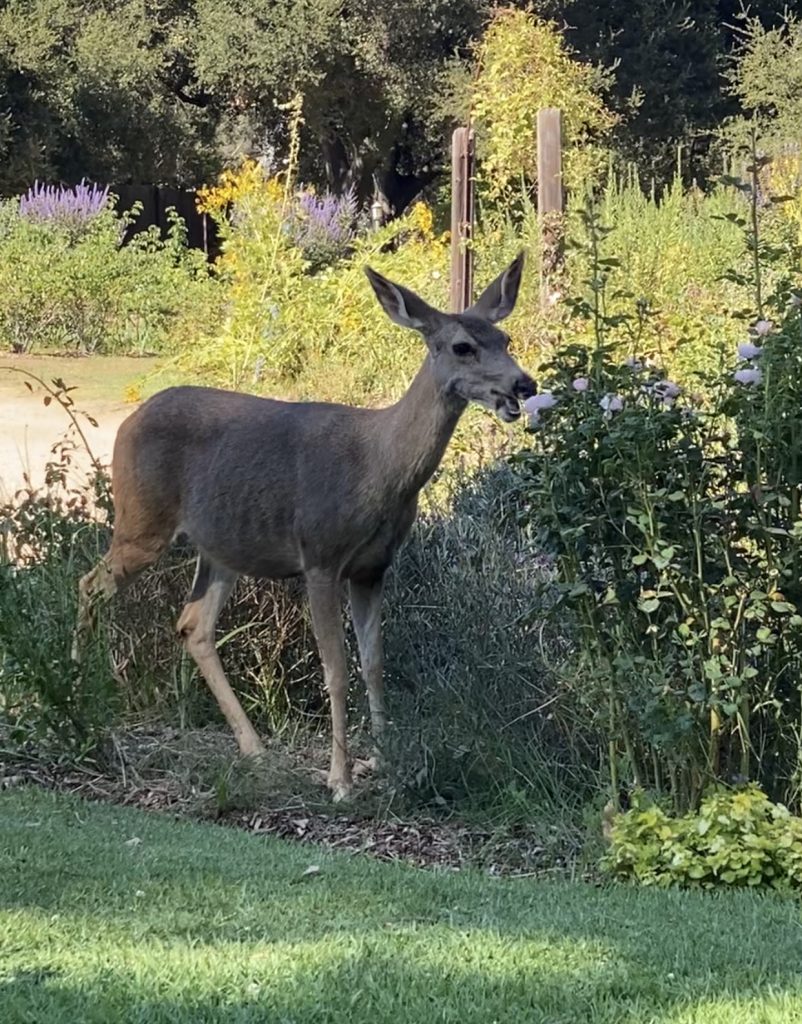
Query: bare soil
x=104, y=388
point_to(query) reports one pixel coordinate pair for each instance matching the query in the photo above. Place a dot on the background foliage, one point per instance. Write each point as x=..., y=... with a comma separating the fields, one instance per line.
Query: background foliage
x=638, y=562
x=161, y=91
x=68, y=283
x=524, y=65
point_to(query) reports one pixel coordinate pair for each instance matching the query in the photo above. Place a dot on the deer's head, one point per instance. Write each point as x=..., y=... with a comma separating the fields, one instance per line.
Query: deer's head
x=470, y=357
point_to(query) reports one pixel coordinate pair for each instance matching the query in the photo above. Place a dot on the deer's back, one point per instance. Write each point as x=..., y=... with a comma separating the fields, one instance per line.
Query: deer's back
x=265, y=487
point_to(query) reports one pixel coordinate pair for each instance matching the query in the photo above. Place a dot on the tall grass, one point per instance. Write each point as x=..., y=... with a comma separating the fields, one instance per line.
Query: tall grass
x=670, y=254
x=480, y=716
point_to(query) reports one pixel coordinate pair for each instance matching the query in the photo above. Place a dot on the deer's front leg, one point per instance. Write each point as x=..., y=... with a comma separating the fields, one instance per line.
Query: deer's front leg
x=366, y=610
x=326, y=609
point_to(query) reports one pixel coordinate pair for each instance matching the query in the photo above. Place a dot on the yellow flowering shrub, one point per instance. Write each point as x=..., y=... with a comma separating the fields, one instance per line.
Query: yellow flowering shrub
x=421, y=219
x=294, y=333
x=234, y=185
x=323, y=335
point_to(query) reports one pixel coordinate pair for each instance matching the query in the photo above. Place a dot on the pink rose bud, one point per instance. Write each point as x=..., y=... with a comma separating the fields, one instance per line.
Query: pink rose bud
x=537, y=403
x=611, y=404
x=667, y=389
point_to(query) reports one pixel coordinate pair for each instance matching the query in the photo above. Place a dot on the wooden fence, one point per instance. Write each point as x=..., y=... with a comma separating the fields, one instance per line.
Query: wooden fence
x=550, y=207
x=156, y=200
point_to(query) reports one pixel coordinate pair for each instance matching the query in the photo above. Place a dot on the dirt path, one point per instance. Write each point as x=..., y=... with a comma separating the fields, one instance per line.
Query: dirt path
x=28, y=429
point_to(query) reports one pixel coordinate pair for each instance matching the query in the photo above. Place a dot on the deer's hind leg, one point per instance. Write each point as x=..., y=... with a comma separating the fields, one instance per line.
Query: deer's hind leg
x=324, y=603
x=210, y=591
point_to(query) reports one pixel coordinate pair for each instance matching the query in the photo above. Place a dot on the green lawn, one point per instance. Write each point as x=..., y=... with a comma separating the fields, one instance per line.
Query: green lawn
x=110, y=915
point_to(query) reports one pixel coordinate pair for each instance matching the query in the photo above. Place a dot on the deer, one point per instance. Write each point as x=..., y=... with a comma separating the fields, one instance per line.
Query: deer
x=277, y=489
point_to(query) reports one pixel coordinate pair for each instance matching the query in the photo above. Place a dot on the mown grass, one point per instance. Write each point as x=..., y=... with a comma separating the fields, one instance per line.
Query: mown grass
x=108, y=914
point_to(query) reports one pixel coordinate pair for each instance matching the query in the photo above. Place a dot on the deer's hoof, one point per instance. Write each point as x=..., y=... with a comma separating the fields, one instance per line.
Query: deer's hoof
x=250, y=746
x=341, y=790
x=254, y=755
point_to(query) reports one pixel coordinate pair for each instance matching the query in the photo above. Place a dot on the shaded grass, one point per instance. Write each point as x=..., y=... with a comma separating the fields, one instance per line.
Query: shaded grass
x=108, y=914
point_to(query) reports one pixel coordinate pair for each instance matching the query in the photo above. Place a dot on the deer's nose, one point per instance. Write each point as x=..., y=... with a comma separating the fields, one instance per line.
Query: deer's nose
x=524, y=387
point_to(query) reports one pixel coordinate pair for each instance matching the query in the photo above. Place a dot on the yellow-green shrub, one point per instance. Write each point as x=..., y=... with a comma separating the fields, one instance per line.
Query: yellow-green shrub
x=71, y=287
x=523, y=65
x=671, y=255
x=737, y=838
x=292, y=332
x=295, y=333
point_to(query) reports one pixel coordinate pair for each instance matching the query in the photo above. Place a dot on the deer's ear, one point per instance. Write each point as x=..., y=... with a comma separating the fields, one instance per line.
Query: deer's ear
x=498, y=299
x=403, y=306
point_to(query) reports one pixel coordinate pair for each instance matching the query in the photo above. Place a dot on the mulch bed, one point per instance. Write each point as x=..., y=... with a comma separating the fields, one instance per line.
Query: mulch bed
x=423, y=842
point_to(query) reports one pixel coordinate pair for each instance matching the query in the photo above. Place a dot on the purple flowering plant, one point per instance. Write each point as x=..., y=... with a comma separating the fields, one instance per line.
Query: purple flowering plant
x=323, y=226
x=70, y=284
x=69, y=207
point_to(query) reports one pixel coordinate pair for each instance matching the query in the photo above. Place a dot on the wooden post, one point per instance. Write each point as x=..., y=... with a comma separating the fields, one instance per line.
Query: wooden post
x=462, y=175
x=549, y=196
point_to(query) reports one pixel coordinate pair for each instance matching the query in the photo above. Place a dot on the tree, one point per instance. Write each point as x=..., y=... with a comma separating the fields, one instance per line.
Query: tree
x=371, y=73
x=667, y=58
x=523, y=65
x=765, y=75
x=171, y=90
x=94, y=89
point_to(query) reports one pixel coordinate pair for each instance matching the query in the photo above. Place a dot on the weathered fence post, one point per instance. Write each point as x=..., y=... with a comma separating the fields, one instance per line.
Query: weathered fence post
x=549, y=196
x=462, y=175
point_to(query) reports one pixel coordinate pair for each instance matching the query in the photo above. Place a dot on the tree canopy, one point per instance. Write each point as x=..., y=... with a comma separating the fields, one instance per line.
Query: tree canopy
x=170, y=91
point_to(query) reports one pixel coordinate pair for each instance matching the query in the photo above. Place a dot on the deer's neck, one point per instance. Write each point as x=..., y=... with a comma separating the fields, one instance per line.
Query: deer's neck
x=421, y=424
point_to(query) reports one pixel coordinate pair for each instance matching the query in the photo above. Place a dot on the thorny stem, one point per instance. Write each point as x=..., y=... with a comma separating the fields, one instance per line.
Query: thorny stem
x=714, y=745
x=597, y=285
x=744, y=712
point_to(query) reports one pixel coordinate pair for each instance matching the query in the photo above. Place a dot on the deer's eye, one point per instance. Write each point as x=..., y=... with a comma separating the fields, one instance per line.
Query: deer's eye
x=462, y=348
